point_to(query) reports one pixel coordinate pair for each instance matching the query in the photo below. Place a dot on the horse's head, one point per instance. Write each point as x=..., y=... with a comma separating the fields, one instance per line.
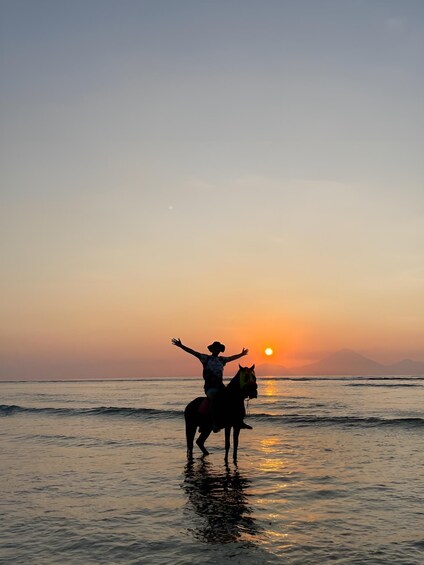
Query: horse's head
x=247, y=380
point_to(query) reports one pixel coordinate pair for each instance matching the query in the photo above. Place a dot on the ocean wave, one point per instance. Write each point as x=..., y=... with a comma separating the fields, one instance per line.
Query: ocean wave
x=10, y=409
x=153, y=413
x=384, y=384
x=314, y=419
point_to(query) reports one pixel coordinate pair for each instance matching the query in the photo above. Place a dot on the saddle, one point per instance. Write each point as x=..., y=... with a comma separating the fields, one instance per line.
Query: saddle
x=205, y=407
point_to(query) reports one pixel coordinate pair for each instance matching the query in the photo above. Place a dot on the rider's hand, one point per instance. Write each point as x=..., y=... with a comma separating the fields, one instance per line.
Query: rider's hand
x=176, y=341
x=244, y=351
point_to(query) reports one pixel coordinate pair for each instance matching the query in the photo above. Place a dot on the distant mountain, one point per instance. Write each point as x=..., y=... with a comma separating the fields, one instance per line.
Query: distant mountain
x=407, y=367
x=344, y=362
x=268, y=370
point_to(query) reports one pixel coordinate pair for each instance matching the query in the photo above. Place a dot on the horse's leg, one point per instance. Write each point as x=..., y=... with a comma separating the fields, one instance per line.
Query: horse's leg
x=201, y=441
x=236, y=434
x=227, y=442
x=190, y=433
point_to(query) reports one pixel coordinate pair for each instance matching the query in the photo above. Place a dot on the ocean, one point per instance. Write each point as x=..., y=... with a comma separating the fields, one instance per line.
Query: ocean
x=95, y=472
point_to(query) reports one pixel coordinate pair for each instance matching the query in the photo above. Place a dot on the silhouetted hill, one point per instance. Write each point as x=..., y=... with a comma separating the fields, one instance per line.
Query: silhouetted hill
x=344, y=362
x=407, y=367
x=268, y=370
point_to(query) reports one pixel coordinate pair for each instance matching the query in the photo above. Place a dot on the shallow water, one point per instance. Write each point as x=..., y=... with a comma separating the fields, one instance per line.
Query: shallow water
x=96, y=472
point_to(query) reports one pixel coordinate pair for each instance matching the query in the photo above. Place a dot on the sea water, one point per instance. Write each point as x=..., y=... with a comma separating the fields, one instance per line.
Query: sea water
x=96, y=472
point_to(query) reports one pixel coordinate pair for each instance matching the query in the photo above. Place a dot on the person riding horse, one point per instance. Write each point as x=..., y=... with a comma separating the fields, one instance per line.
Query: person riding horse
x=213, y=370
x=197, y=418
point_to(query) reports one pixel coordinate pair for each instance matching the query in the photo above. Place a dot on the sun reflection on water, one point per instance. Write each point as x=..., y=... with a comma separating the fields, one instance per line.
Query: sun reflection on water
x=268, y=388
x=270, y=447
x=271, y=465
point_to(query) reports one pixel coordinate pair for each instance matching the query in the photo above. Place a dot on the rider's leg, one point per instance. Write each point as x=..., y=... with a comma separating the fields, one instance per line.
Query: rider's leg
x=213, y=395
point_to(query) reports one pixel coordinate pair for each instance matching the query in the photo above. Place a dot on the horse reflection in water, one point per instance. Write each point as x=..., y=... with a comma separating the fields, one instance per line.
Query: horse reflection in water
x=218, y=498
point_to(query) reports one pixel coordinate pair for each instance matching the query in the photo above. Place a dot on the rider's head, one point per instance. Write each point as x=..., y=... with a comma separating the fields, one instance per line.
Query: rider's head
x=216, y=348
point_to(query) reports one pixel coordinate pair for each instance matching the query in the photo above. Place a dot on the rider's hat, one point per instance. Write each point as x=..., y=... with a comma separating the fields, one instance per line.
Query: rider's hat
x=216, y=346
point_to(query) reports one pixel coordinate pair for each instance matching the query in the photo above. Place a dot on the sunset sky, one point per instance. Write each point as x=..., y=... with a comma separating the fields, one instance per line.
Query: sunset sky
x=244, y=171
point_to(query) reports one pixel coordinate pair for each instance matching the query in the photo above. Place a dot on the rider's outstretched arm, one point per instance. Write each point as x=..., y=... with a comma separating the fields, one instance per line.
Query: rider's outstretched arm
x=234, y=357
x=179, y=343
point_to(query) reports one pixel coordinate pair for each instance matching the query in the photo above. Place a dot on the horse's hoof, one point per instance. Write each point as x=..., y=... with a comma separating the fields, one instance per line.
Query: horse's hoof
x=202, y=448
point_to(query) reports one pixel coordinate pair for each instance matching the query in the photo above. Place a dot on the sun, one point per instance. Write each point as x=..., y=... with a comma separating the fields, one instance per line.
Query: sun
x=269, y=351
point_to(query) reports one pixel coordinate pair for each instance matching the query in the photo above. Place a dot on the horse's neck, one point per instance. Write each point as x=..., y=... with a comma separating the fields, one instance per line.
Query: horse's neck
x=233, y=387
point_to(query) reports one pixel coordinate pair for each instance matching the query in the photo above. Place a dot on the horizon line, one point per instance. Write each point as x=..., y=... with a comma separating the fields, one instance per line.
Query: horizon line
x=268, y=377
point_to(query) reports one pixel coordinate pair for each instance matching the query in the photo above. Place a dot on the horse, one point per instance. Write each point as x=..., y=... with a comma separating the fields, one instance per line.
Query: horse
x=197, y=413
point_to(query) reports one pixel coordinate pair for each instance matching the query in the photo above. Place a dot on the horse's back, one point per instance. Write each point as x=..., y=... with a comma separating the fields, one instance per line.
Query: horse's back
x=192, y=407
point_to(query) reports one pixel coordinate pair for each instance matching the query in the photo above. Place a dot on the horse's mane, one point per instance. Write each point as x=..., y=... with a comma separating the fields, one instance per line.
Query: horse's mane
x=234, y=384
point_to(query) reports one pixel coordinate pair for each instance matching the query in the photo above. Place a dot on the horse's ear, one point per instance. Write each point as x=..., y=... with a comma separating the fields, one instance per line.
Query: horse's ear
x=252, y=368
x=240, y=366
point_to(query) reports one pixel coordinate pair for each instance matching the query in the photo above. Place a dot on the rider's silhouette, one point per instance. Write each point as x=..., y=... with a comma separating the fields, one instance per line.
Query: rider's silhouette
x=213, y=371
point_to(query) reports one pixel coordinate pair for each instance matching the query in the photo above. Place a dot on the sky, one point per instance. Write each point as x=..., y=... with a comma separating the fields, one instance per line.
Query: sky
x=243, y=171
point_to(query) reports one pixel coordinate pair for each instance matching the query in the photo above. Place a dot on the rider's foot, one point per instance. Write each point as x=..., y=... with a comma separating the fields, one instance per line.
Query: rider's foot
x=216, y=428
x=245, y=426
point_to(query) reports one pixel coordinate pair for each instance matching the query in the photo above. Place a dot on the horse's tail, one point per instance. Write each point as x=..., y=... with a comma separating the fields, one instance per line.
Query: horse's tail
x=191, y=416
